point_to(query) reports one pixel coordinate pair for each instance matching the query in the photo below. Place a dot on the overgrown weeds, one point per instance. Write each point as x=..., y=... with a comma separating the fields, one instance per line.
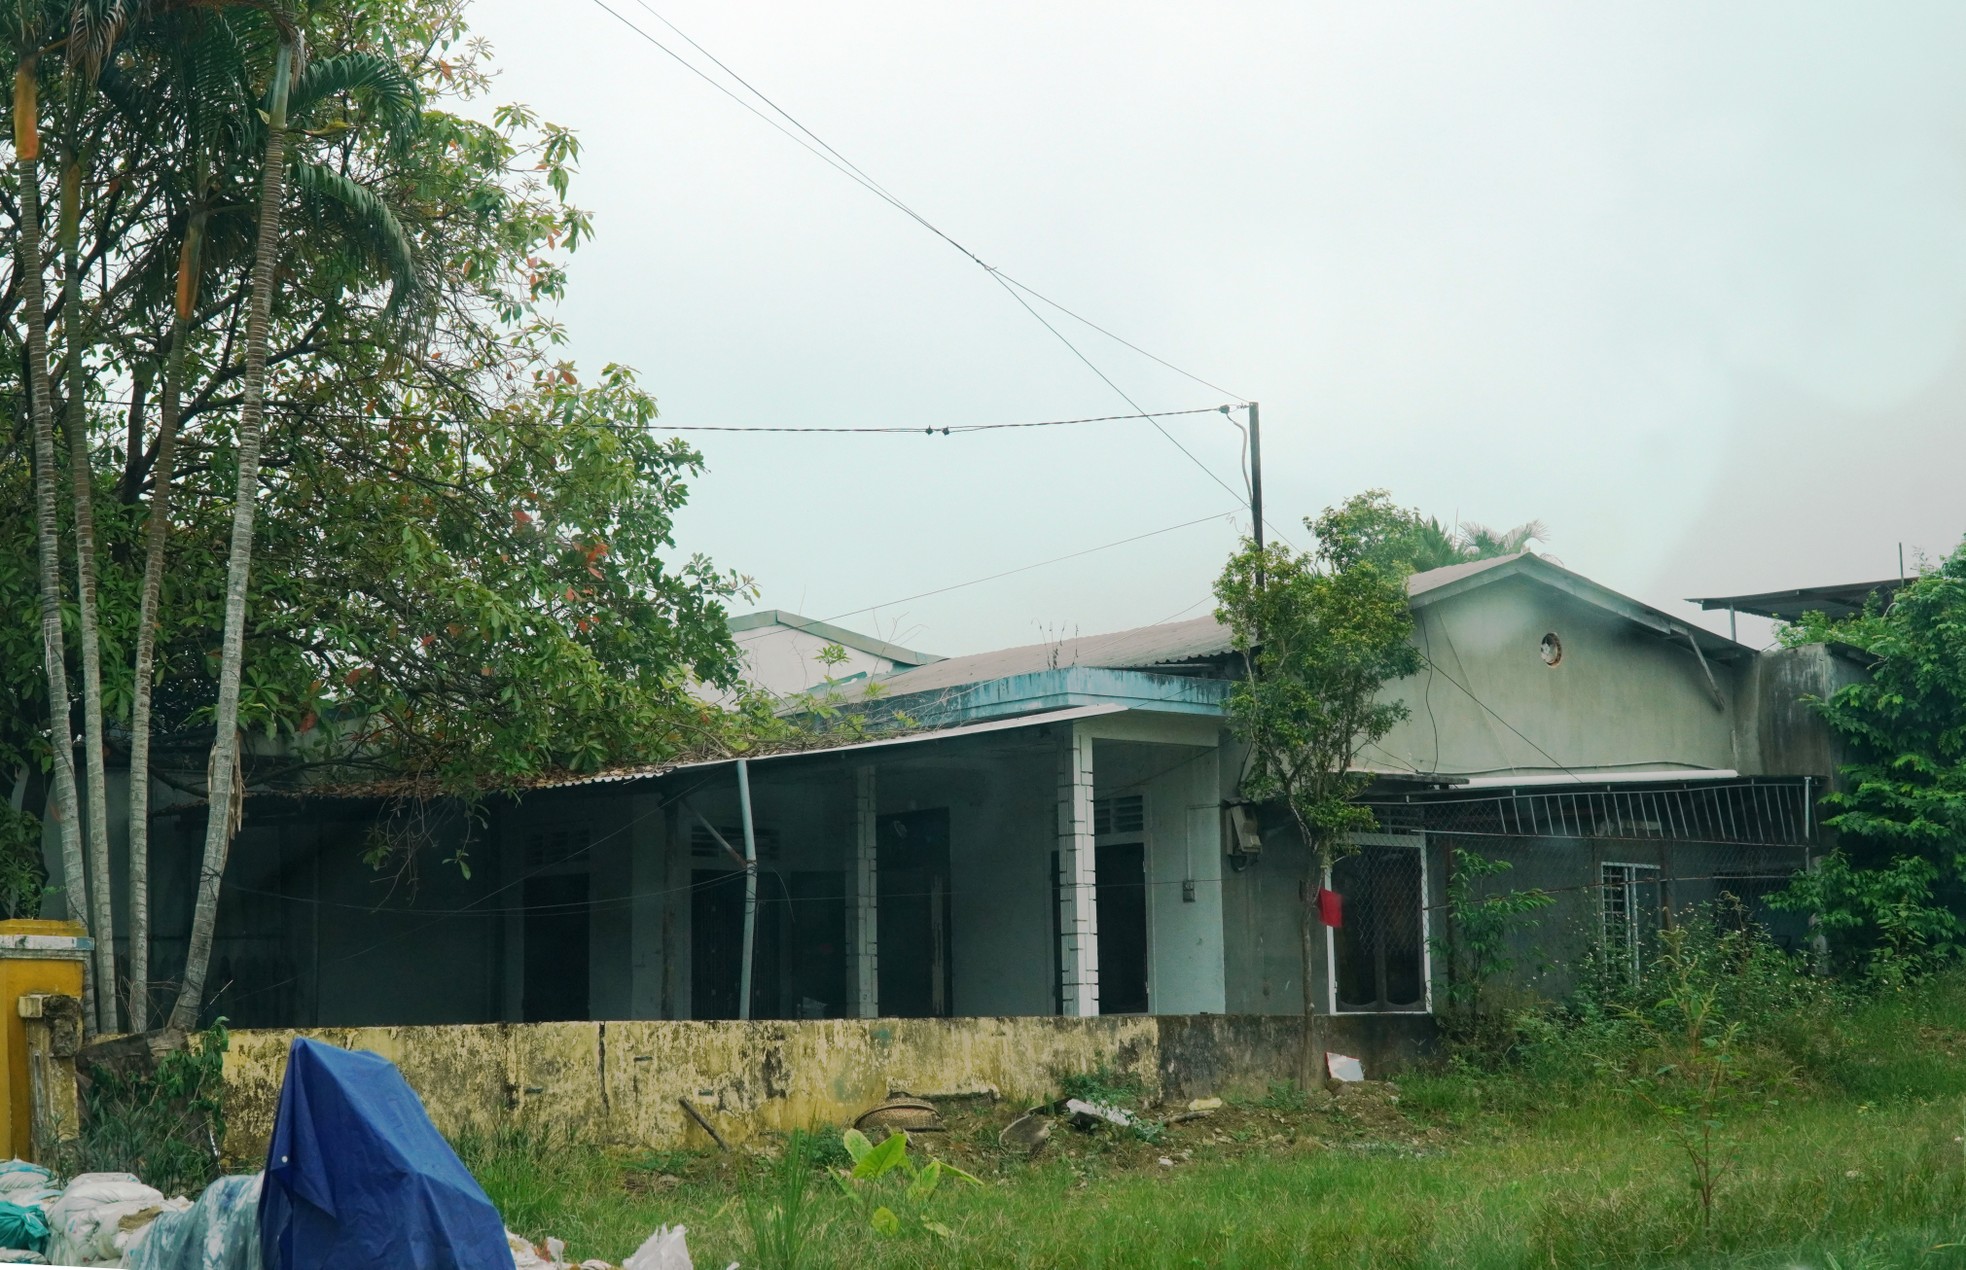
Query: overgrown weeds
x=779, y=1211
x=165, y=1126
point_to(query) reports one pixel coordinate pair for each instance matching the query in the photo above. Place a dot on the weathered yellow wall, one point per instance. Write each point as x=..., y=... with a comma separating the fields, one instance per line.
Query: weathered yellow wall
x=619, y=1082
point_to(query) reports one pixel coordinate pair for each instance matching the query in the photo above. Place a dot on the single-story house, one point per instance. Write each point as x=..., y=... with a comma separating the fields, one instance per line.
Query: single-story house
x=1058, y=831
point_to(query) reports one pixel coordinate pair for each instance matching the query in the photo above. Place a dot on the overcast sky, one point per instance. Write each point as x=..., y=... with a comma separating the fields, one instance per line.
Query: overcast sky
x=1684, y=281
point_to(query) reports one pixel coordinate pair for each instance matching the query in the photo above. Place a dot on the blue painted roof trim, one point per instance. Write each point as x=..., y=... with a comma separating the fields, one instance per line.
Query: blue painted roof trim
x=1058, y=689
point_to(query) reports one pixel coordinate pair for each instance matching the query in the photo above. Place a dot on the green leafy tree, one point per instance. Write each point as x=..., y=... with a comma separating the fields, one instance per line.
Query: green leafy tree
x=461, y=570
x=1893, y=892
x=1482, y=922
x=1403, y=539
x=1321, y=634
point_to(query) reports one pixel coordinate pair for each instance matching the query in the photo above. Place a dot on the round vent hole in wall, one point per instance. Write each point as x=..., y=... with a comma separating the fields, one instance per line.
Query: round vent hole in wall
x=1550, y=650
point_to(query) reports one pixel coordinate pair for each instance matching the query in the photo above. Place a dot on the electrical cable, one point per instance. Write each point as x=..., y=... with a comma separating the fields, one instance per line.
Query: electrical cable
x=947, y=429
x=957, y=586
x=1504, y=722
x=834, y=159
x=952, y=429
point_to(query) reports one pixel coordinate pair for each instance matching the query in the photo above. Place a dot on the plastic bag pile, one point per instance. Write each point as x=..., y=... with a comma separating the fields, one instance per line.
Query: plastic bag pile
x=356, y=1175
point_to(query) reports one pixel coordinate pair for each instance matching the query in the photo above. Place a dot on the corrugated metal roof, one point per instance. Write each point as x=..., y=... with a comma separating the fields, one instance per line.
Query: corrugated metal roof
x=1842, y=600
x=1421, y=583
x=647, y=771
x=1136, y=649
x=1141, y=648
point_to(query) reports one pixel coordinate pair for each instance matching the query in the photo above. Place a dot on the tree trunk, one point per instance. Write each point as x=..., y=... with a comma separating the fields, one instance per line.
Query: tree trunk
x=224, y=769
x=54, y=656
x=82, y=478
x=1312, y=1059
x=159, y=532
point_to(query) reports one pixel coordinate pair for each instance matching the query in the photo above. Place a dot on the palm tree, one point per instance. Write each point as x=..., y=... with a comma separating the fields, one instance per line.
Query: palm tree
x=1482, y=543
x=208, y=55
x=157, y=535
x=27, y=160
x=224, y=784
x=202, y=61
x=82, y=478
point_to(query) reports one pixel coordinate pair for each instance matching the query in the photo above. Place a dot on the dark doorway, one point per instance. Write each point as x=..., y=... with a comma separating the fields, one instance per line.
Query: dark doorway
x=816, y=946
x=916, y=979
x=1120, y=899
x=556, y=948
x=716, y=942
x=716, y=958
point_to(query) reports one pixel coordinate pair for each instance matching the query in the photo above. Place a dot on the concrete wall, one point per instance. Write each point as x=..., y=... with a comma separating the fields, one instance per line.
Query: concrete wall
x=620, y=1082
x=1621, y=697
x=1791, y=738
x=1262, y=927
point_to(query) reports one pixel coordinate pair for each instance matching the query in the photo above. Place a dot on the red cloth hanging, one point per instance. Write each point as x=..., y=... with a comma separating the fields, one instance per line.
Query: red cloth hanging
x=1330, y=907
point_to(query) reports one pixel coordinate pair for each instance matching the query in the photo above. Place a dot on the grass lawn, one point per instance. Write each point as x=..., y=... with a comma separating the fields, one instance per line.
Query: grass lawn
x=1859, y=1160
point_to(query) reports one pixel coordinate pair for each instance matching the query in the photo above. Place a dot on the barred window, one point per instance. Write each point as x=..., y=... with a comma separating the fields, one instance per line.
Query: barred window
x=1631, y=910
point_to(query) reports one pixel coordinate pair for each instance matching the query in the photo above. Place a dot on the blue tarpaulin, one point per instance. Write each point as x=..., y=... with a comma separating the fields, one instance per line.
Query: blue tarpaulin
x=357, y=1176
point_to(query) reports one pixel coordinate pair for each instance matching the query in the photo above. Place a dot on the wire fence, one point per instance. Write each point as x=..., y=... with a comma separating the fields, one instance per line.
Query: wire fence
x=1616, y=864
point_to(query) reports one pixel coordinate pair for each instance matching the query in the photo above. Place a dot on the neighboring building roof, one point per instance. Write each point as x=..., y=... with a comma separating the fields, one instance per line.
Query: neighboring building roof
x=833, y=635
x=1165, y=647
x=1137, y=649
x=1845, y=600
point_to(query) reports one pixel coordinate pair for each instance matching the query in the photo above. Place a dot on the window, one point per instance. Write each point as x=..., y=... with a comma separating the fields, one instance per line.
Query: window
x=1631, y=910
x=703, y=844
x=1378, y=955
x=1126, y=813
x=554, y=848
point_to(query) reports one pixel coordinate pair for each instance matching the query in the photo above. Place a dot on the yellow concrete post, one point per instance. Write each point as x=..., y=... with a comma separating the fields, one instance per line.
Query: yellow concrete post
x=36, y=958
x=53, y=1023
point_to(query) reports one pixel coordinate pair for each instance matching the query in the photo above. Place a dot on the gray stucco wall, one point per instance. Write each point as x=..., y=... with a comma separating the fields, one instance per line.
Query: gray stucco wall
x=1620, y=696
x=1790, y=737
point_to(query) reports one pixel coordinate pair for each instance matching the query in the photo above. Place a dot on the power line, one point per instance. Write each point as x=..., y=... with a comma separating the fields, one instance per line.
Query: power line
x=884, y=193
x=957, y=586
x=941, y=430
x=839, y=162
x=657, y=426
x=1078, y=317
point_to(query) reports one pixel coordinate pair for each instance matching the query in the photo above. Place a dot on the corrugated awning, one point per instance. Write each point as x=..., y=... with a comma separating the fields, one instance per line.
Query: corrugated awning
x=944, y=734
x=1844, y=600
x=1655, y=776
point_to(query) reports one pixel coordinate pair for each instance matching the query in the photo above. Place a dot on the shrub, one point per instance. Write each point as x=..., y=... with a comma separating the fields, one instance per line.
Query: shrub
x=165, y=1126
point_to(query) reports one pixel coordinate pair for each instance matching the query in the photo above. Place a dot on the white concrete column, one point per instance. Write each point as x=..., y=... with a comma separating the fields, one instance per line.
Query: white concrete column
x=1078, y=917
x=863, y=913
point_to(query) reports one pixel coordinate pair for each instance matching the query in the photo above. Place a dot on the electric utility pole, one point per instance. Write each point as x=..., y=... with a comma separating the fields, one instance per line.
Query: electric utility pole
x=1255, y=477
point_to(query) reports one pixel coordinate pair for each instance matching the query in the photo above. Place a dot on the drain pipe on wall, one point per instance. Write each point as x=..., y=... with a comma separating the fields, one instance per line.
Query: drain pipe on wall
x=750, y=890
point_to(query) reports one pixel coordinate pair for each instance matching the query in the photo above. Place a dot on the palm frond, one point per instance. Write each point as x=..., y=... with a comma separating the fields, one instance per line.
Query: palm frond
x=383, y=239
x=1487, y=543
x=94, y=26
x=380, y=83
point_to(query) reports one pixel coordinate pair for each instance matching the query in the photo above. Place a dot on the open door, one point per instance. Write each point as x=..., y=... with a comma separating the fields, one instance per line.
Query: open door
x=556, y=948
x=916, y=977
x=1120, y=899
